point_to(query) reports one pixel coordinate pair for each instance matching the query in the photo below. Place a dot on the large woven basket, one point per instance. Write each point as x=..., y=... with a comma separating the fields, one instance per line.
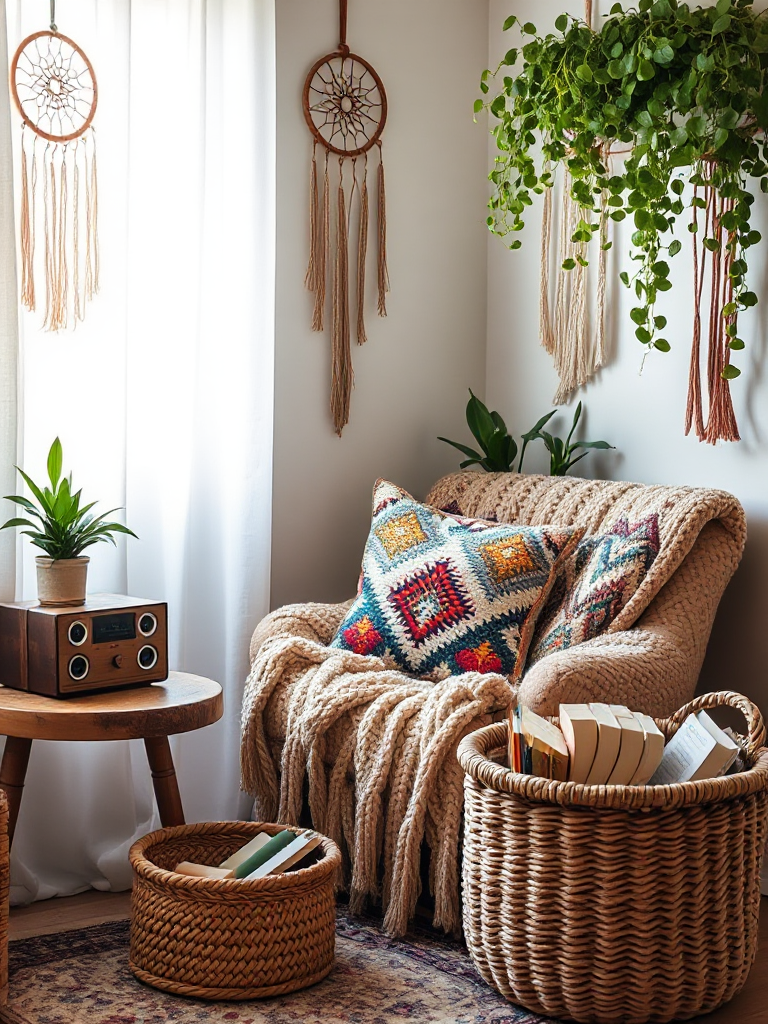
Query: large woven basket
x=228, y=939
x=614, y=903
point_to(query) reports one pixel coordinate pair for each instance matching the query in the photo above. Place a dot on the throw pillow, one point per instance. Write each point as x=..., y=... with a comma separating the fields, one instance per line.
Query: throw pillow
x=443, y=595
x=594, y=585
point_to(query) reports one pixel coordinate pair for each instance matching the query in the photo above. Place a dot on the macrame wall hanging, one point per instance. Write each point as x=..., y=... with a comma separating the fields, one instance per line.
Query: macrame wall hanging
x=577, y=352
x=345, y=107
x=54, y=87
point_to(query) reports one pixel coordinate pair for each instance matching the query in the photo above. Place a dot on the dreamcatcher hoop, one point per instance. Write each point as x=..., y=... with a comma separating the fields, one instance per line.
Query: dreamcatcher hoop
x=21, y=52
x=54, y=87
x=344, y=86
x=345, y=107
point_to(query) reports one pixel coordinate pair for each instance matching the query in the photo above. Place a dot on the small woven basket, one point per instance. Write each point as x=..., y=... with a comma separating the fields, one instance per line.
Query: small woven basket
x=612, y=904
x=228, y=939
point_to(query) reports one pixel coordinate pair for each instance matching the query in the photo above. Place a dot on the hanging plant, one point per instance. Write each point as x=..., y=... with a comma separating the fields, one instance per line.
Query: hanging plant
x=679, y=90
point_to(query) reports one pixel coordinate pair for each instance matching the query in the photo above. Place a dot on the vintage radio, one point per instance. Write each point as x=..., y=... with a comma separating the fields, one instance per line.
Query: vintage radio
x=107, y=643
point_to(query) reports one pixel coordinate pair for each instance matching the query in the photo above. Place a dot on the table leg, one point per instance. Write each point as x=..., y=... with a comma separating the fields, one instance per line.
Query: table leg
x=164, y=780
x=12, y=773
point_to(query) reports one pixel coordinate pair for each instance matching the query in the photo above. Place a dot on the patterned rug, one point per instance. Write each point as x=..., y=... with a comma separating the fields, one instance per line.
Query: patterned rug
x=82, y=977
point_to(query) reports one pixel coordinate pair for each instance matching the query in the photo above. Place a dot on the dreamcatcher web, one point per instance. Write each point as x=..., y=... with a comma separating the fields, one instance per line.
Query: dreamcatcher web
x=55, y=90
x=346, y=104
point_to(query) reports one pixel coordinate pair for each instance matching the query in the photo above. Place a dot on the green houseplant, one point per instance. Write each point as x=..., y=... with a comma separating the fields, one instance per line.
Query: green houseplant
x=679, y=90
x=499, y=449
x=63, y=528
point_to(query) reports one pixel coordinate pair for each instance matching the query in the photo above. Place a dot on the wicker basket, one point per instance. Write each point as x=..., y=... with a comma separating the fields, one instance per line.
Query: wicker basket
x=614, y=903
x=228, y=939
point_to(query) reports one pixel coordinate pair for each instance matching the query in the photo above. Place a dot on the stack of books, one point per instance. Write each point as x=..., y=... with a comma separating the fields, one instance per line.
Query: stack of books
x=263, y=855
x=607, y=744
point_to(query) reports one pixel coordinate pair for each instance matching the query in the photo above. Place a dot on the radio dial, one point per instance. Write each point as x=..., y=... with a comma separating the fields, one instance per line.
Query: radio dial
x=78, y=666
x=147, y=657
x=77, y=633
x=147, y=624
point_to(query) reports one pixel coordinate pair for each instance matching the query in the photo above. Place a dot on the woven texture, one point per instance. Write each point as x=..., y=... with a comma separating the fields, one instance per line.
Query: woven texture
x=229, y=939
x=441, y=595
x=376, y=748
x=611, y=904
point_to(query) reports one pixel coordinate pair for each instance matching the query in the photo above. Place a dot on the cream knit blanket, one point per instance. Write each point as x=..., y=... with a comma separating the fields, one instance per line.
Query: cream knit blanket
x=394, y=780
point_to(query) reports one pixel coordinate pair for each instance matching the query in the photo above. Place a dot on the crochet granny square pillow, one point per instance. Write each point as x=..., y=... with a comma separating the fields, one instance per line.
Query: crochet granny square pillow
x=442, y=595
x=595, y=584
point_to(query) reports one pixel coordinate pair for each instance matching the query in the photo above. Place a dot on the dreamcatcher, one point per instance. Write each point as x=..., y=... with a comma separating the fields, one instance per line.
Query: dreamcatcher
x=345, y=107
x=54, y=87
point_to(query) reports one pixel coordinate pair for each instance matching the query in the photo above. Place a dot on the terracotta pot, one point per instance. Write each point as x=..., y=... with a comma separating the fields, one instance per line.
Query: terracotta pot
x=61, y=581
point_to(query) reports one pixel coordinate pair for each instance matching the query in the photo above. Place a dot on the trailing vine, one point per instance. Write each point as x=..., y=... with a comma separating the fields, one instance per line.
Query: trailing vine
x=679, y=90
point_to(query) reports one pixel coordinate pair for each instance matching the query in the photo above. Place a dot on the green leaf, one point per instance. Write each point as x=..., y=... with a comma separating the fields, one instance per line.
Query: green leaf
x=584, y=71
x=54, y=463
x=17, y=522
x=561, y=22
x=662, y=345
x=675, y=247
x=645, y=70
x=479, y=421
x=730, y=372
x=721, y=24
x=720, y=138
x=644, y=118
x=729, y=118
x=660, y=322
x=478, y=107
x=643, y=335
x=529, y=28
x=509, y=22
x=736, y=344
x=464, y=449
x=569, y=264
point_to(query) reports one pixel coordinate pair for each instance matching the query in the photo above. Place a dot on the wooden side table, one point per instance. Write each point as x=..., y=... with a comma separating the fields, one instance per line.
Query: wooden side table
x=180, y=703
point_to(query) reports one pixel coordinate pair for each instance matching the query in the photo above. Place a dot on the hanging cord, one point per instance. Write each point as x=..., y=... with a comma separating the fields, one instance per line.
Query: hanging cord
x=54, y=27
x=341, y=355
x=362, y=251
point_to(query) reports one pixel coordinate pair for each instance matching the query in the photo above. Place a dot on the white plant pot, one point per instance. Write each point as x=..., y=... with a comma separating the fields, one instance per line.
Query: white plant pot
x=61, y=581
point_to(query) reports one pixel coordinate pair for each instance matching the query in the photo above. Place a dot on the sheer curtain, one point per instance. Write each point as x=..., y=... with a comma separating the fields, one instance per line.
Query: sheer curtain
x=162, y=398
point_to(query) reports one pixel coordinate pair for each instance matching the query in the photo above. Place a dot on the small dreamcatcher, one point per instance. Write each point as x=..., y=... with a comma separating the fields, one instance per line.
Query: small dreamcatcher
x=345, y=107
x=54, y=87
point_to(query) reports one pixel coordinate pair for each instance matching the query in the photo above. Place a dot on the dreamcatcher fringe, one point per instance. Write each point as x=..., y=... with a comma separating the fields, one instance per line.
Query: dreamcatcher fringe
x=342, y=378
x=362, y=252
x=320, y=264
x=61, y=230
x=721, y=420
x=566, y=336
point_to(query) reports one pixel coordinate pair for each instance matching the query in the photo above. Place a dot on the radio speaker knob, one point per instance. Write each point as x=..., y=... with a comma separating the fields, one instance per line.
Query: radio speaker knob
x=77, y=633
x=147, y=657
x=78, y=666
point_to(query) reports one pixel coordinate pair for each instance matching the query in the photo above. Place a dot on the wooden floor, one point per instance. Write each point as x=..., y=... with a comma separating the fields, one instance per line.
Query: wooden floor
x=750, y=1007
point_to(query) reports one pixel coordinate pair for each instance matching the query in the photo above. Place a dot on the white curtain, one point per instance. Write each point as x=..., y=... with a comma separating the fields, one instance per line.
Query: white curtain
x=162, y=398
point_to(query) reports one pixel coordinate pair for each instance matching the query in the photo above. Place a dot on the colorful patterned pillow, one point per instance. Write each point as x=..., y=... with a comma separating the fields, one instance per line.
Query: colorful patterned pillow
x=595, y=585
x=443, y=595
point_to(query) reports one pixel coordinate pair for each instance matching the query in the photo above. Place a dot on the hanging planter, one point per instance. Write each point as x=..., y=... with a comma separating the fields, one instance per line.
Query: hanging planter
x=679, y=92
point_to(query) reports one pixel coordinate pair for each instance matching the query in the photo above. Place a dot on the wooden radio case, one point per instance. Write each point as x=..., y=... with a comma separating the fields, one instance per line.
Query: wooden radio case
x=107, y=643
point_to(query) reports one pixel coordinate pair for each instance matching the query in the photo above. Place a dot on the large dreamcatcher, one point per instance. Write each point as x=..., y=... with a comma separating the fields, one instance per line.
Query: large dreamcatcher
x=54, y=87
x=345, y=107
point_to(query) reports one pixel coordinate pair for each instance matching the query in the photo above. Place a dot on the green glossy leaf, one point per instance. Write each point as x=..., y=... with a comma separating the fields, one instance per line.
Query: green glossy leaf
x=54, y=463
x=509, y=22
x=730, y=372
x=645, y=70
x=561, y=22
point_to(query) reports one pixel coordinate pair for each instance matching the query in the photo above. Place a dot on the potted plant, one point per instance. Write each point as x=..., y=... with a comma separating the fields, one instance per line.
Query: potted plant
x=64, y=529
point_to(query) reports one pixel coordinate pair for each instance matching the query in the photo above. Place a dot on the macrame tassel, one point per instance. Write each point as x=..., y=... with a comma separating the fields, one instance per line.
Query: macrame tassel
x=721, y=422
x=310, y=280
x=55, y=288
x=78, y=306
x=93, y=234
x=322, y=254
x=341, y=354
x=27, y=233
x=382, y=256
x=602, y=273
x=362, y=251
x=694, y=417
x=545, y=324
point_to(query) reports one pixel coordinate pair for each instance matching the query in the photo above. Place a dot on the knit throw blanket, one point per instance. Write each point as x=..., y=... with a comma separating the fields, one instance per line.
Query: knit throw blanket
x=393, y=780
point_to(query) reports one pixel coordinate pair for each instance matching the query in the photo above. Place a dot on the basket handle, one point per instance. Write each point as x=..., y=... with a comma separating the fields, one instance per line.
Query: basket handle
x=728, y=698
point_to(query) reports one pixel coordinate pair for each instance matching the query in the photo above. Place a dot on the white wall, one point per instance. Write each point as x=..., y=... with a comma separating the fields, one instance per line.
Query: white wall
x=643, y=414
x=412, y=375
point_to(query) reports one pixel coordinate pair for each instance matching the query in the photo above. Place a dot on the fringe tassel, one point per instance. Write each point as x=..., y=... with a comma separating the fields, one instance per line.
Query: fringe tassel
x=310, y=280
x=602, y=272
x=694, y=416
x=341, y=354
x=382, y=256
x=721, y=423
x=27, y=234
x=322, y=254
x=94, y=226
x=545, y=324
x=78, y=310
x=362, y=250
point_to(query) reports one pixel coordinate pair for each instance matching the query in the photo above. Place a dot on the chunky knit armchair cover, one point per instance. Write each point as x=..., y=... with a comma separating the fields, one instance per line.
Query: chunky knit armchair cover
x=377, y=747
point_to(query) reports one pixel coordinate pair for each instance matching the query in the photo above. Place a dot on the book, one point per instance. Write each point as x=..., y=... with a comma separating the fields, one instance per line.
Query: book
x=187, y=867
x=545, y=747
x=608, y=743
x=515, y=740
x=265, y=853
x=632, y=742
x=698, y=750
x=287, y=857
x=653, y=750
x=242, y=855
x=579, y=727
